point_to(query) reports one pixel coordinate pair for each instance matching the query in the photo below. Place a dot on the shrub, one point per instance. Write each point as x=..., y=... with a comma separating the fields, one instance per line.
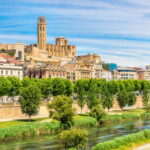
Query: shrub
x=28, y=129
x=61, y=109
x=85, y=122
x=98, y=113
x=74, y=138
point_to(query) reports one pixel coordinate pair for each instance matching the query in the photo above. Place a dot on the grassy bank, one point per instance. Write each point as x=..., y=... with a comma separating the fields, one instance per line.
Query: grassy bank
x=133, y=146
x=130, y=115
x=123, y=141
x=39, y=128
x=23, y=128
x=7, y=124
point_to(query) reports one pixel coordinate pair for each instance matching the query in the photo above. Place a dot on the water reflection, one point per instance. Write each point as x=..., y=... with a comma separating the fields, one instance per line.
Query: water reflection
x=96, y=135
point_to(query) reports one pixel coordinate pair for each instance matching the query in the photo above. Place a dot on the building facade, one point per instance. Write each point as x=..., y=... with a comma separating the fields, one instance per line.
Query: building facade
x=17, y=50
x=42, y=51
x=107, y=75
x=123, y=73
x=11, y=70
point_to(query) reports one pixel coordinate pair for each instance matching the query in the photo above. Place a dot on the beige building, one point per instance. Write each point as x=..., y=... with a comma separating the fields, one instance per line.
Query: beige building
x=43, y=52
x=124, y=73
x=47, y=71
x=144, y=74
x=11, y=70
x=17, y=48
x=88, y=66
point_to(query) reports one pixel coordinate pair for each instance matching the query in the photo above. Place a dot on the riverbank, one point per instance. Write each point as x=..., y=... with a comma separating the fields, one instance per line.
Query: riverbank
x=29, y=129
x=23, y=128
x=125, y=143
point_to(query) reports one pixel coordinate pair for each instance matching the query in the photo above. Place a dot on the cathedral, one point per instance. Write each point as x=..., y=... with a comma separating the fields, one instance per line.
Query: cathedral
x=46, y=53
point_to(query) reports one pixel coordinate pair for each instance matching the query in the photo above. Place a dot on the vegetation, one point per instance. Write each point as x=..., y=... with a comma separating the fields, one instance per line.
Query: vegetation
x=84, y=121
x=74, y=138
x=146, y=100
x=80, y=89
x=30, y=100
x=28, y=129
x=98, y=113
x=61, y=109
x=118, y=142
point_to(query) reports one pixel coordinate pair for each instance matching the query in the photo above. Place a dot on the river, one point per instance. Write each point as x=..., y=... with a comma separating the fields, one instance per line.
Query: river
x=96, y=135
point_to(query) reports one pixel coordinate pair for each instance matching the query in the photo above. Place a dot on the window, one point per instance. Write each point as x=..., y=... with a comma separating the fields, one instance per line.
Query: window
x=18, y=72
x=6, y=72
x=11, y=72
x=1, y=72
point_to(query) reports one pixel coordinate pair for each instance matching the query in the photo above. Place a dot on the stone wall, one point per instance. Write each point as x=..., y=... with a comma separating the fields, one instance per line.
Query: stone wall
x=12, y=111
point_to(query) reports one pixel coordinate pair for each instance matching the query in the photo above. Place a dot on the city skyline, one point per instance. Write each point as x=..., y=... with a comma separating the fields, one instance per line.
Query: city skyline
x=117, y=30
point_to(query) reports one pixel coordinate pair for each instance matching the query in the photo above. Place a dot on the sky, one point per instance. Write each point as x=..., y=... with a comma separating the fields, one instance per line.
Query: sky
x=117, y=30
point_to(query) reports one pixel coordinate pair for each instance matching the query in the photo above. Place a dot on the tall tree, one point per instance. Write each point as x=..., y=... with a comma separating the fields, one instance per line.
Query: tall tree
x=146, y=100
x=16, y=84
x=80, y=89
x=59, y=87
x=92, y=93
x=107, y=97
x=69, y=87
x=46, y=87
x=30, y=98
x=131, y=98
x=61, y=109
x=122, y=98
x=5, y=86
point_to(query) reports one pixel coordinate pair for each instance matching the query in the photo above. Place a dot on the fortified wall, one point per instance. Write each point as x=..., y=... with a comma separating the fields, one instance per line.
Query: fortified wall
x=12, y=111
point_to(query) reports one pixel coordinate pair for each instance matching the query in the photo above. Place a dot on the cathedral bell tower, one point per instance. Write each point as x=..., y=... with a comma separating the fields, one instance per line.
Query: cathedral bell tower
x=41, y=29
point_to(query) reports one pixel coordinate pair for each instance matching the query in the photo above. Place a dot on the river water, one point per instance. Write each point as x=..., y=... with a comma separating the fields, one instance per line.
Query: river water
x=96, y=135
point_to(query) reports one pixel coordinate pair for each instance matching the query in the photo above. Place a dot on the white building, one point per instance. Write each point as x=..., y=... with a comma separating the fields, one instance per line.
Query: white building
x=11, y=70
x=106, y=75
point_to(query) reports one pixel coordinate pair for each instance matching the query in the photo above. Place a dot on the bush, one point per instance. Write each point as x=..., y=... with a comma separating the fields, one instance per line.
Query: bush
x=85, y=122
x=98, y=113
x=28, y=130
x=116, y=143
x=61, y=109
x=74, y=138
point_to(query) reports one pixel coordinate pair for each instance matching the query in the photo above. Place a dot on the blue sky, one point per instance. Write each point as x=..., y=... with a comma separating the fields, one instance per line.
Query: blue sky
x=118, y=30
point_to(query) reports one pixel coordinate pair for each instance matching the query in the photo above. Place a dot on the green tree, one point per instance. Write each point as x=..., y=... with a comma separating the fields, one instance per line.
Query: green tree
x=146, y=100
x=129, y=85
x=107, y=97
x=121, y=85
x=80, y=89
x=30, y=98
x=74, y=138
x=122, y=98
x=92, y=93
x=113, y=86
x=61, y=109
x=131, y=98
x=5, y=86
x=137, y=85
x=46, y=87
x=69, y=87
x=26, y=81
x=16, y=84
x=59, y=87
x=98, y=113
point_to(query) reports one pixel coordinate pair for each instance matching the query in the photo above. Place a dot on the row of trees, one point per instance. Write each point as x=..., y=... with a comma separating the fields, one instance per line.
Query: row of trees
x=12, y=86
x=99, y=91
x=92, y=92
